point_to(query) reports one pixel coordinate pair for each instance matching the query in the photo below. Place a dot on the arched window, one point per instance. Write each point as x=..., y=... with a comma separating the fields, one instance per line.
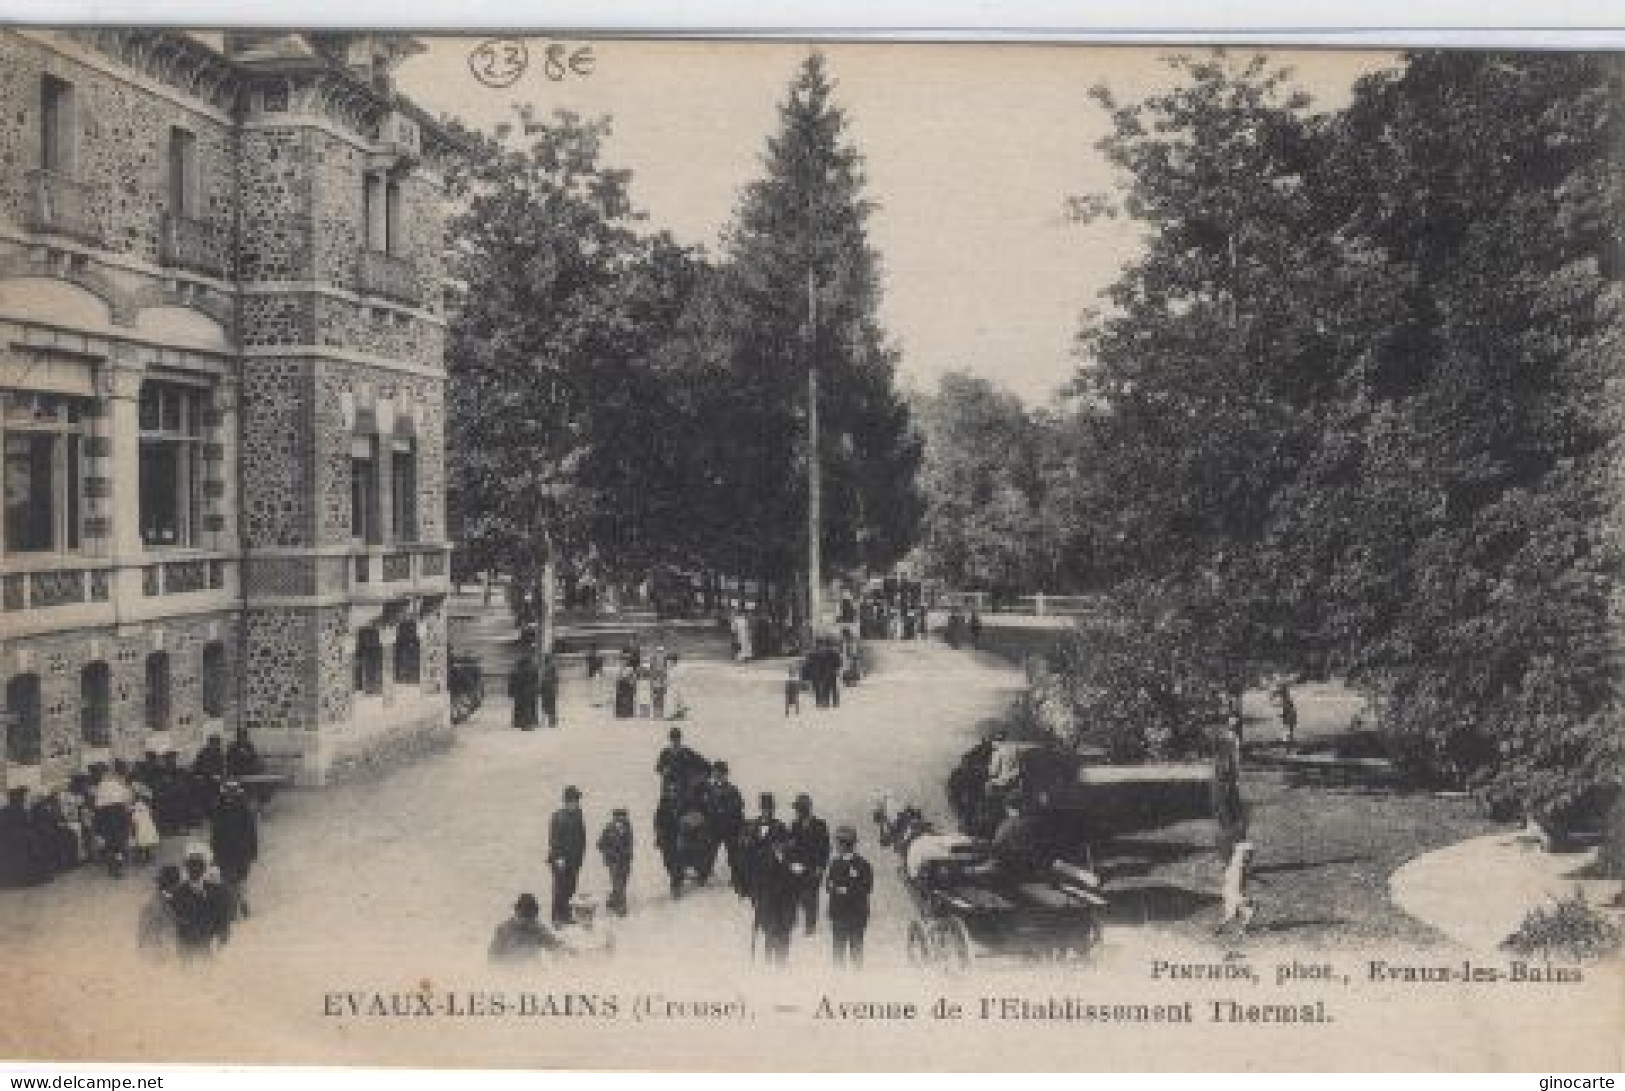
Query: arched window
x=408, y=654
x=23, y=720
x=369, y=662
x=158, y=700
x=95, y=705
x=216, y=679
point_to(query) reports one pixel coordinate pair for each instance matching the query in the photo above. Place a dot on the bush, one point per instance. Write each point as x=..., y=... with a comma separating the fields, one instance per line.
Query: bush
x=1569, y=926
x=1129, y=680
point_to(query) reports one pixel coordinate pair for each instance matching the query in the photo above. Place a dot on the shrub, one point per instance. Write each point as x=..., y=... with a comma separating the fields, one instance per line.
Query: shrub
x=1570, y=926
x=1128, y=680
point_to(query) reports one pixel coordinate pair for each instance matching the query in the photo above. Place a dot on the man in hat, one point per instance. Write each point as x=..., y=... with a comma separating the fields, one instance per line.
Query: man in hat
x=668, y=822
x=615, y=846
x=566, y=849
x=777, y=893
x=677, y=763
x=809, y=856
x=547, y=689
x=522, y=936
x=202, y=907
x=849, y=882
x=524, y=687
x=234, y=835
x=756, y=843
x=724, y=819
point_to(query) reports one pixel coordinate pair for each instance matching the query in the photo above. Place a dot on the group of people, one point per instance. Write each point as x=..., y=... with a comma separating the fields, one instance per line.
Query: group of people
x=830, y=664
x=116, y=814
x=533, y=685
x=644, y=687
x=782, y=869
x=193, y=906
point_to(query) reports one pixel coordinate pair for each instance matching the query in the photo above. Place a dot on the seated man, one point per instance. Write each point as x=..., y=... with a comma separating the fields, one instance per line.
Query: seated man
x=523, y=936
x=1018, y=844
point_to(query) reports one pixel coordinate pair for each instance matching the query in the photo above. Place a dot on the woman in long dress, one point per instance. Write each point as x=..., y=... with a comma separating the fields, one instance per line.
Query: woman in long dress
x=626, y=693
x=524, y=686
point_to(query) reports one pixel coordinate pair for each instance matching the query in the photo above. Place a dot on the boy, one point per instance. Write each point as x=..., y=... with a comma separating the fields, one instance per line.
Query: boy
x=792, y=691
x=1238, y=907
x=615, y=844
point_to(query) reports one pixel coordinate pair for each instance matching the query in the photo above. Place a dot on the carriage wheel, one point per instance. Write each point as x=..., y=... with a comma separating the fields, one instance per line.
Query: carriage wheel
x=919, y=948
x=950, y=946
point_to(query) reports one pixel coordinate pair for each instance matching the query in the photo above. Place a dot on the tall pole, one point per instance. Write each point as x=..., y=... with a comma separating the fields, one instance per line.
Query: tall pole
x=814, y=484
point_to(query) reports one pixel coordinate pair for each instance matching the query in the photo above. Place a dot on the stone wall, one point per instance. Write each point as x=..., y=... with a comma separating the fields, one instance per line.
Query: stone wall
x=120, y=147
x=277, y=445
x=279, y=692
x=59, y=658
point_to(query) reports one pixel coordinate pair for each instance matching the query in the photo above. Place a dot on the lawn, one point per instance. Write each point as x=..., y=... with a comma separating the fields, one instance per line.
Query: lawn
x=1324, y=854
x=1323, y=861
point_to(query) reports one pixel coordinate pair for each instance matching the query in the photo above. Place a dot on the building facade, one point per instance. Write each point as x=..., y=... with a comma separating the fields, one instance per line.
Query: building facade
x=221, y=401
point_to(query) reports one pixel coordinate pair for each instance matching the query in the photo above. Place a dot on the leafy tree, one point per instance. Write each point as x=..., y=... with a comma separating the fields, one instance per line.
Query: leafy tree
x=1352, y=399
x=800, y=230
x=982, y=476
x=1474, y=592
x=1210, y=382
x=1133, y=680
x=562, y=306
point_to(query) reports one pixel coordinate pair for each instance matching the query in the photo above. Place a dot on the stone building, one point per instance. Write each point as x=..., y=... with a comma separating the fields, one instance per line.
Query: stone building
x=221, y=330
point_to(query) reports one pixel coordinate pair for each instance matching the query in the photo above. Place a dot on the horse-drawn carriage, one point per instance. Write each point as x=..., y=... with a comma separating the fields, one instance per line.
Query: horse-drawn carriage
x=974, y=904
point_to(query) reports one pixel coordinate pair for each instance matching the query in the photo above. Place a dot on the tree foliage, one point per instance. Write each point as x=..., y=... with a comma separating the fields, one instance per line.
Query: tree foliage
x=996, y=478
x=805, y=221
x=619, y=401
x=1348, y=400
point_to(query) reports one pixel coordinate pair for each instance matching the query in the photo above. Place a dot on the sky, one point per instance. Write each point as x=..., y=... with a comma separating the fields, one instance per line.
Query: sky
x=971, y=152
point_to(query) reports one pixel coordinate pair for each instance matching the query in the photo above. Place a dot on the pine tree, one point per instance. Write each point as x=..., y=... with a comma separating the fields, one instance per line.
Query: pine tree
x=806, y=220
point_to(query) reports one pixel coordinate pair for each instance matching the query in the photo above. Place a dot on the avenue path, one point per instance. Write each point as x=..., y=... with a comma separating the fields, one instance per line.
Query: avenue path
x=387, y=883
x=392, y=886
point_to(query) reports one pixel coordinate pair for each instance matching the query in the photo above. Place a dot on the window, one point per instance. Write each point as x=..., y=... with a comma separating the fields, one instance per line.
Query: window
x=216, y=680
x=171, y=424
x=23, y=720
x=392, y=217
x=95, y=704
x=158, y=703
x=364, y=490
x=369, y=662
x=381, y=211
x=181, y=179
x=403, y=492
x=41, y=477
x=56, y=125
x=408, y=654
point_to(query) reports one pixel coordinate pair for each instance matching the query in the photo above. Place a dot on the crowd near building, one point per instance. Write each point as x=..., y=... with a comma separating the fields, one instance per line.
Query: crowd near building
x=221, y=401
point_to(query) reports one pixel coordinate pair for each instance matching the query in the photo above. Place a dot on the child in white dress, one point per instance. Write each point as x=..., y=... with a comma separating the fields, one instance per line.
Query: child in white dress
x=143, y=830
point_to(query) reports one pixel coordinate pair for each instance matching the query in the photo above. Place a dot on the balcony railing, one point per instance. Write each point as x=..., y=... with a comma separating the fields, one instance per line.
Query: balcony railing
x=381, y=575
x=62, y=206
x=193, y=243
x=52, y=587
x=388, y=276
x=183, y=577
